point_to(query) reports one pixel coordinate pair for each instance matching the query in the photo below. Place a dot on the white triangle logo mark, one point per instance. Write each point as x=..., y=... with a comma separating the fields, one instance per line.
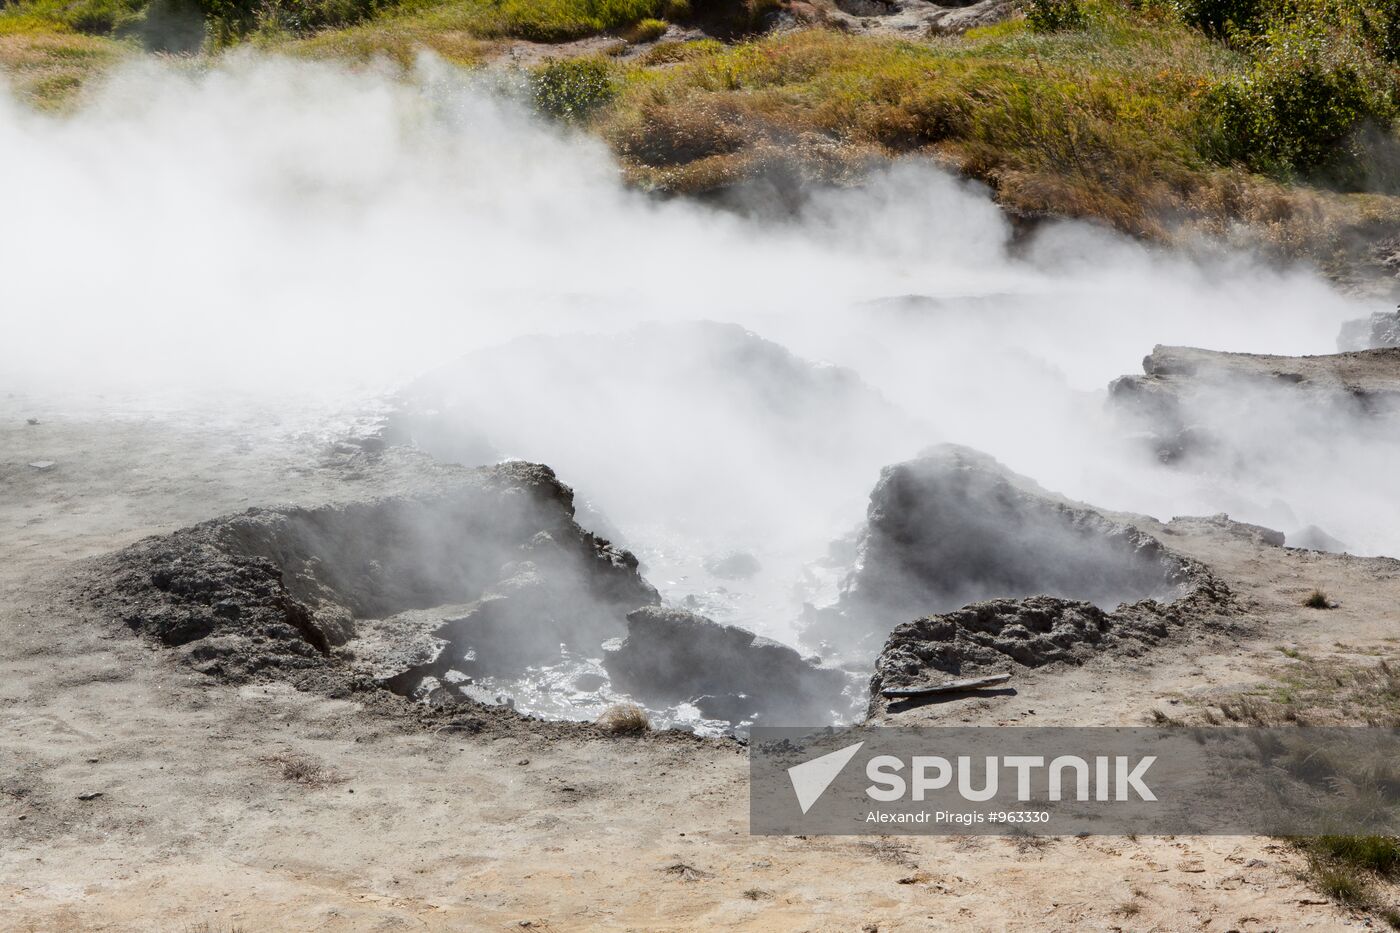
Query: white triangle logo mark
x=811, y=778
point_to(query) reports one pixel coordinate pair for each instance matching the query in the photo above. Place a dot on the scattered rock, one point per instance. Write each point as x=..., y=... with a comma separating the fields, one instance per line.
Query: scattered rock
x=43, y=465
x=31, y=421
x=90, y=795
x=671, y=656
x=902, y=17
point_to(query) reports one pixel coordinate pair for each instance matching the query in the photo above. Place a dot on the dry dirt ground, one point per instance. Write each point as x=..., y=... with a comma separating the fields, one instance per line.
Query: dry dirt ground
x=205, y=822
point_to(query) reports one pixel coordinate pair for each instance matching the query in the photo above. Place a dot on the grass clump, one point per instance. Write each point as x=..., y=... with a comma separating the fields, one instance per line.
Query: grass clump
x=303, y=770
x=647, y=30
x=1096, y=122
x=1317, y=599
x=1350, y=869
x=624, y=719
x=1318, y=692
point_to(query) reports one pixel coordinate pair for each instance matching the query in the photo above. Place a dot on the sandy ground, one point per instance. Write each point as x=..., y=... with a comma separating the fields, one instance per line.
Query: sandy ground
x=197, y=828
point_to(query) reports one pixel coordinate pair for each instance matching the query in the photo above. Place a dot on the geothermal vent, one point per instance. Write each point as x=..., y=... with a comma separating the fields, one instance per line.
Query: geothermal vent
x=489, y=570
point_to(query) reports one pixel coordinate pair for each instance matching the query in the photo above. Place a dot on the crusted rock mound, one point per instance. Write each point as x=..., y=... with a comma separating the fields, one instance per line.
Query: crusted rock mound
x=345, y=590
x=671, y=656
x=1041, y=630
x=955, y=526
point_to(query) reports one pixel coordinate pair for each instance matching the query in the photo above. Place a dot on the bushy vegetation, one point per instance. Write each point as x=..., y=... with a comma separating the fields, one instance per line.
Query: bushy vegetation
x=1155, y=116
x=1054, y=15
x=573, y=88
x=1300, y=108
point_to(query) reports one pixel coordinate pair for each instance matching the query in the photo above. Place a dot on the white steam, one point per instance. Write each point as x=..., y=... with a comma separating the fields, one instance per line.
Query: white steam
x=298, y=230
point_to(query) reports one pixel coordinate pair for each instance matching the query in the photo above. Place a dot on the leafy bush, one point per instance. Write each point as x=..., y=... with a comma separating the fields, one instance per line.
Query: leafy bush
x=1224, y=19
x=1380, y=23
x=230, y=20
x=1055, y=15
x=1300, y=105
x=573, y=88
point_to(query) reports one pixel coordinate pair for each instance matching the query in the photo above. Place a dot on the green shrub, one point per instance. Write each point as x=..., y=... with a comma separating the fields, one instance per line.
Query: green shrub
x=573, y=88
x=1055, y=15
x=1380, y=23
x=231, y=20
x=1225, y=19
x=1299, y=107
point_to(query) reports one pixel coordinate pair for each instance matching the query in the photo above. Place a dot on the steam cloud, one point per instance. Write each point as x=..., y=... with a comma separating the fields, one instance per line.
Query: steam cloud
x=289, y=230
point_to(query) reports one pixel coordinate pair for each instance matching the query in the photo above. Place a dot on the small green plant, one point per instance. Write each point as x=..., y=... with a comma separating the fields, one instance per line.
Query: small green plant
x=647, y=30
x=1055, y=15
x=573, y=89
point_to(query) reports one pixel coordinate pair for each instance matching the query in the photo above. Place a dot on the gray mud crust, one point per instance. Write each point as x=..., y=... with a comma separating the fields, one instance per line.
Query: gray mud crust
x=376, y=597
x=1002, y=635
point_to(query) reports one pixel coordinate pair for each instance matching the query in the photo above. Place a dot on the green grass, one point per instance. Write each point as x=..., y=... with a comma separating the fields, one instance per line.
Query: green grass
x=49, y=69
x=1119, y=111
x=1097, y=122
x=1353, y=870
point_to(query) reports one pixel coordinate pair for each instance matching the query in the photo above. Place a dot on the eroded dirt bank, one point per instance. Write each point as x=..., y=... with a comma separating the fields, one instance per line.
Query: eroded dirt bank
x=139, y=794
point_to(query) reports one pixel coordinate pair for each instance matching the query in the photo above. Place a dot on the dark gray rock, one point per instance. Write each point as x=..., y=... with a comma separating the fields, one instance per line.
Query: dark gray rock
x=955, y=526
x=998, y=634
x=336, y=587
x=671, y=656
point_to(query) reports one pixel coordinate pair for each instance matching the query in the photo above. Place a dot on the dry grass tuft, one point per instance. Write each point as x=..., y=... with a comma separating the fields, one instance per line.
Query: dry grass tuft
x=624, y=719
x=1317, y=692
x=303, y=770
x=1317, y=600
x=50, y=69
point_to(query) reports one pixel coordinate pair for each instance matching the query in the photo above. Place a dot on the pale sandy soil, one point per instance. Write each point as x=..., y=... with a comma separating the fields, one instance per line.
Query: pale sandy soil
x=195, y=829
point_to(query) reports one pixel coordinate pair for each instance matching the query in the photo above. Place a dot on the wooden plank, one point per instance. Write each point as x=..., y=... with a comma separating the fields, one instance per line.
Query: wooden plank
x=950, y=686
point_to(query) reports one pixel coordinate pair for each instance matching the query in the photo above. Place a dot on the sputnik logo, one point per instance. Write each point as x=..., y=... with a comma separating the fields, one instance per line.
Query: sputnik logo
x=811, y=778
